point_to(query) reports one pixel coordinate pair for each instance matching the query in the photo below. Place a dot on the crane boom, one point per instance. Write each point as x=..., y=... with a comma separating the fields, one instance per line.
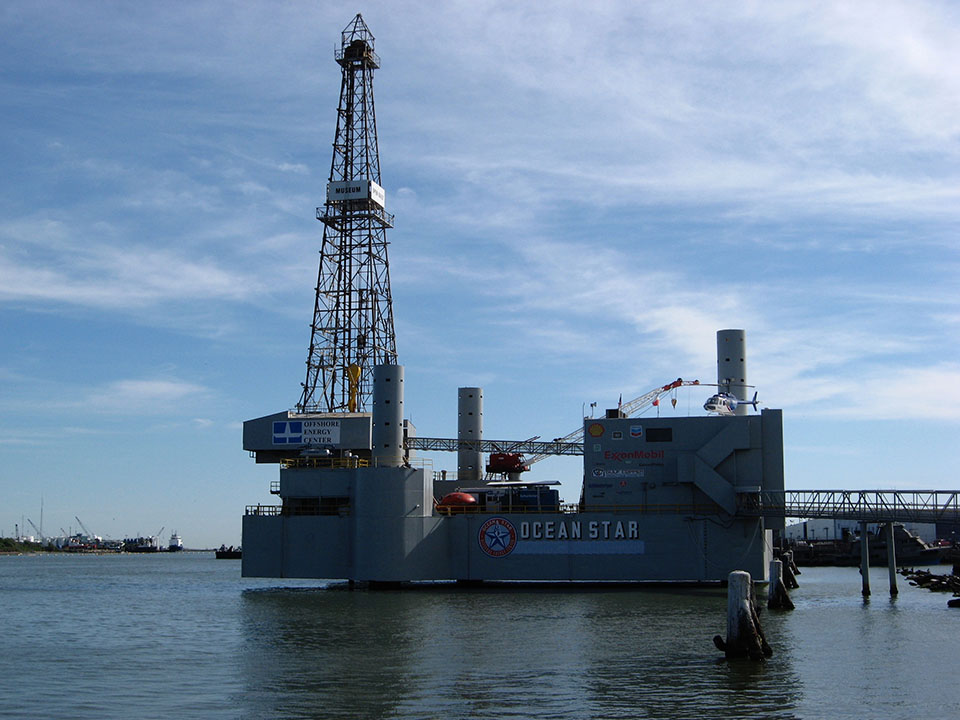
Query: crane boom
x=627, y=409
x=83, y=527
x=39, y=534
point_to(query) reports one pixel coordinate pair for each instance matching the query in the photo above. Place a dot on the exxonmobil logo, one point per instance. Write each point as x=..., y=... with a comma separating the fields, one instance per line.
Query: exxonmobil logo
x=633, y=455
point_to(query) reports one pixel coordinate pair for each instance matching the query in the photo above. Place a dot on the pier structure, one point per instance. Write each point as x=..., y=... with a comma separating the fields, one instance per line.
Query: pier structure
x=883, y=507
x=872, y=506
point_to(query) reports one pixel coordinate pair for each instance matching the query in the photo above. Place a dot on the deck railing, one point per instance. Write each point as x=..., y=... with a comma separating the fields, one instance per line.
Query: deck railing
x=563, y=509
x=295, y=511
x=325, y=462
x=571, y=508
x=875, y=506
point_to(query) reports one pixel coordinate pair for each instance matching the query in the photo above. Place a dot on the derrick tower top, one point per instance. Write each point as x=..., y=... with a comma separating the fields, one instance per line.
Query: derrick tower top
x=352, y=329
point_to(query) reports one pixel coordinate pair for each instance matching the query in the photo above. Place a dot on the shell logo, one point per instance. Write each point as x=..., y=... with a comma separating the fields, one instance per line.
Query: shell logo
x=595, y=430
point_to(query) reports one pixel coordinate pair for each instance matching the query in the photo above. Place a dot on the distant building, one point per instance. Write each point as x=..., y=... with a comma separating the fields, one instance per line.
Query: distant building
x=824, y=529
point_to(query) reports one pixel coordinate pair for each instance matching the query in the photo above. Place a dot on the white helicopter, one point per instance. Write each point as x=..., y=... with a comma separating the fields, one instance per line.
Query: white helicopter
x=724, y=403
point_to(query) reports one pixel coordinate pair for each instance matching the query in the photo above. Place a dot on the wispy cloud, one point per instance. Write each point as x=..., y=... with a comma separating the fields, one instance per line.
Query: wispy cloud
x=772, y=113
x=142, y=396
x=115, y=277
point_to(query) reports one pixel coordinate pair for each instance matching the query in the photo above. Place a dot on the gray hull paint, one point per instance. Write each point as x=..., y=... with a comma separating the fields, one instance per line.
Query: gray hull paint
x=688, y=549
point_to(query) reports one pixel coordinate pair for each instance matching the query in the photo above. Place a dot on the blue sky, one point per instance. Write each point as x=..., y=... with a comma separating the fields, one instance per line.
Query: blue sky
x=584, y=194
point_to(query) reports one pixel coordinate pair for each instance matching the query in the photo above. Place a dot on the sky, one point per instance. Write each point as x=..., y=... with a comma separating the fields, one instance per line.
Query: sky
x=584, y=194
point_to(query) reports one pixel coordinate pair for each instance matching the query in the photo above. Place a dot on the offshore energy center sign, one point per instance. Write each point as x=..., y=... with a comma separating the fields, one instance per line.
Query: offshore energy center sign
x=306, y=432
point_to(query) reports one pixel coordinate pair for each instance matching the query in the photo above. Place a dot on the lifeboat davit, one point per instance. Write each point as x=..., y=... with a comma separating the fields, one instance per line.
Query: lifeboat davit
x=456, y=502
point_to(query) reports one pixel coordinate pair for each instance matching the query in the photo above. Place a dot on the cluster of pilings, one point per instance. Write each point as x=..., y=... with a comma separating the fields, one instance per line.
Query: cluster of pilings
x=745, y=638
x=783, y=577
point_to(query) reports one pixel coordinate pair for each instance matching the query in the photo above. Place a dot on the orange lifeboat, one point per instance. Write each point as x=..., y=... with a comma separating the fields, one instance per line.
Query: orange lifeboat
x=456, y=502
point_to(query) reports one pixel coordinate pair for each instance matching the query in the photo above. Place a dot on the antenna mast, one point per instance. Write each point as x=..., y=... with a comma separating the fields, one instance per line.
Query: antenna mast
x=352, y=329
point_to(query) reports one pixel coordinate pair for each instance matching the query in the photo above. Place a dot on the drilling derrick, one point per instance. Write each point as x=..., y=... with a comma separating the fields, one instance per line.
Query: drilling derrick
x=352, y=329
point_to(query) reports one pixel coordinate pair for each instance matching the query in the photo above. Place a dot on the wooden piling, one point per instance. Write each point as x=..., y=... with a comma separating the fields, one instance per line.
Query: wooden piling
x=790, y=571
x=744, y=635
x=777, y=596
x=892, y=560
x=791, y=564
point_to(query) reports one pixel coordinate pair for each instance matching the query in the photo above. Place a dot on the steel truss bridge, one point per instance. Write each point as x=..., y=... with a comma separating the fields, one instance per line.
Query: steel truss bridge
x=526, y=447
x=871, y=506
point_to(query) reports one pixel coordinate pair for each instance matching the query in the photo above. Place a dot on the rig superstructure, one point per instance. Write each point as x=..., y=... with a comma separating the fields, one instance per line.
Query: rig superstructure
x=352, y=329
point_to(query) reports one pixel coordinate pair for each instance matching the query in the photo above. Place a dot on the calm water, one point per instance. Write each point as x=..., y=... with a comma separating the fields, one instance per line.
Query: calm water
x=184, y=636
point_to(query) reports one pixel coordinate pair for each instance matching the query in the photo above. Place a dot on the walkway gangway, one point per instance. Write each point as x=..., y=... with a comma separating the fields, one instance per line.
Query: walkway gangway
x=872, y=506
x=556, y=447
x=536, y=449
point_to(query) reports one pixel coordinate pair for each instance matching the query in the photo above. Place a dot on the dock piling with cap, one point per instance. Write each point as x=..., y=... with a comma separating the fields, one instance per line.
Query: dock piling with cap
x=777, y=596
x=744, y=634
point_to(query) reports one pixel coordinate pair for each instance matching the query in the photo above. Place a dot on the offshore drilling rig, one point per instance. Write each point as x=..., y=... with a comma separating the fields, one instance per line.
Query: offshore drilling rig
x=660, y=499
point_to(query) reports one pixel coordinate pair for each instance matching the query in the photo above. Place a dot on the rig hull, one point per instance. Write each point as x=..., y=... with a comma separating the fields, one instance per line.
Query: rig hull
x=663, y=549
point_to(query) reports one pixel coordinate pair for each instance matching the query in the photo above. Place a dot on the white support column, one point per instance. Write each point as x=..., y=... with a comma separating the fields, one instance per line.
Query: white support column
x=864, y=558
x=892, y=560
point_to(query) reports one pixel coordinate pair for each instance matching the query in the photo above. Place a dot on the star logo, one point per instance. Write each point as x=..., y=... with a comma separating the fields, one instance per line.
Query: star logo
x=497, y=537
x=287, y=432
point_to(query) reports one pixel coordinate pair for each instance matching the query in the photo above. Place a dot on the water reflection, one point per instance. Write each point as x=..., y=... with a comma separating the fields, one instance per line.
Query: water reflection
x=328, y=653
x=519, y=653
x=175, y=637
x=662, y=661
